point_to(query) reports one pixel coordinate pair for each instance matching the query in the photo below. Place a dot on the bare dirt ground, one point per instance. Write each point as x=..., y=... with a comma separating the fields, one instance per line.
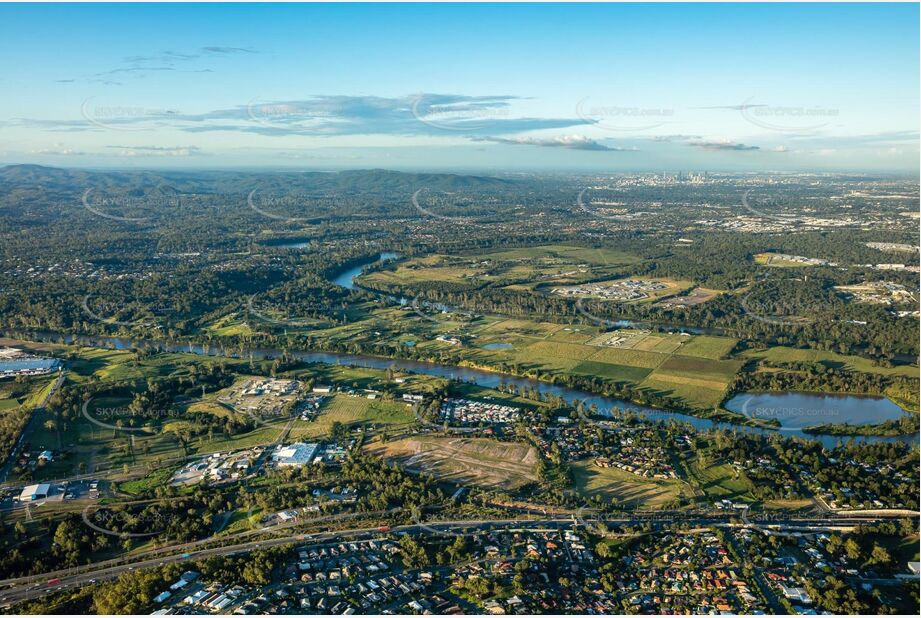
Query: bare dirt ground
x=464, y=461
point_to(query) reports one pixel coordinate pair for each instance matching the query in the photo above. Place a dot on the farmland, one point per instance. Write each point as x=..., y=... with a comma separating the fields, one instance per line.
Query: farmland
x=694, y=370
x=688, y=367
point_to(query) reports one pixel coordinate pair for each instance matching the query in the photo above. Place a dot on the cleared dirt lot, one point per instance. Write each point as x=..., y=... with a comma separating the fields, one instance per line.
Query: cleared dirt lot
x=464, y=461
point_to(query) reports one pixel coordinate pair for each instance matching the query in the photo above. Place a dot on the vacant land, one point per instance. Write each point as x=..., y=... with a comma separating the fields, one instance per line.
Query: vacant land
x=464, y=461
x=624, y=488
x=353, y=412
x=720, y=481
x=784, y=261
x=231, y=325
x=28, y=393
x=782, y=354
x=695, y=297
x=520, y=269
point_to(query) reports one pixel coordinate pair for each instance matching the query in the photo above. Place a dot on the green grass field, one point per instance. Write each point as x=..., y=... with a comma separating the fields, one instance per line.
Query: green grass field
x=229, y=326
x=623, y=488
x=612, y=371
x=668, y=364
x=703, y=346
x=157, y=478
x=566, y=253
x=719, y=481
x=523, y=268
x=781, y=354
x=352, y=412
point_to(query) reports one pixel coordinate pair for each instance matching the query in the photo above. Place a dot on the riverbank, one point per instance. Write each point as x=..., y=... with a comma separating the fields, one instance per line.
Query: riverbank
x=905, y=426
x=604, y=404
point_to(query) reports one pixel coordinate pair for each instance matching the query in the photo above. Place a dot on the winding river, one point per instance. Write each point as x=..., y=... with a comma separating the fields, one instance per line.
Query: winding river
x=779, y=406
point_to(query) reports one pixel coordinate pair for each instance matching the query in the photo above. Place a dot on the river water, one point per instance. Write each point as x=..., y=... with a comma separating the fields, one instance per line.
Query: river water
x=346, y=278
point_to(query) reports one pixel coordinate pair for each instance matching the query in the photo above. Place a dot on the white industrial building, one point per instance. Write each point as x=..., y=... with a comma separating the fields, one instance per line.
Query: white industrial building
x=297, y=454
x=32, y=493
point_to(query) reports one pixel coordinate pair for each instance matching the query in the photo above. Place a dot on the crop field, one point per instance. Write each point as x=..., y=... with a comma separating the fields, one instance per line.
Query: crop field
x=708, y=347
x=695, y=367
x=524, y=328
x=624, y=488
x=663, y=344
x=464, y=461
x=699, y=381
x=632, y=358
x=612, y=371
x=570, y=351
x=689, y=367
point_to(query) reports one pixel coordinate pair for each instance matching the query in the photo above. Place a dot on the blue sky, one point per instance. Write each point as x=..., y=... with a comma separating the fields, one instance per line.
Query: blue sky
x=600, y=87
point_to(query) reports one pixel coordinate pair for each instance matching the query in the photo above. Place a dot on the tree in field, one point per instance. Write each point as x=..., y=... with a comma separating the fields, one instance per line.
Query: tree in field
x=880, y=555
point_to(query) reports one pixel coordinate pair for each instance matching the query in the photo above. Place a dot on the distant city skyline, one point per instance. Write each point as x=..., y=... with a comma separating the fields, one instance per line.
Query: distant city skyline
x=503, y=88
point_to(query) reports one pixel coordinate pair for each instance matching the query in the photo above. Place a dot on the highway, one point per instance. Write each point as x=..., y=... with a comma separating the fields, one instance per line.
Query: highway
x=32, y=587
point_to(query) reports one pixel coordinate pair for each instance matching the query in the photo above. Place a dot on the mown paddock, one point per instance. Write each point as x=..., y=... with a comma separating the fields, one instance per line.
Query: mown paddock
x=782, y=354
x=720, y=481
x=621, y=487
x=705, y=346
x=696, y=367
x=693, y=371
x=567, y=253
x=612, y=371
x=633, y=358
x=353, y=411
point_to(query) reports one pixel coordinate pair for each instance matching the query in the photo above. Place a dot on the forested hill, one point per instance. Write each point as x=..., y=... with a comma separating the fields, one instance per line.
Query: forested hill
x=19, y=177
